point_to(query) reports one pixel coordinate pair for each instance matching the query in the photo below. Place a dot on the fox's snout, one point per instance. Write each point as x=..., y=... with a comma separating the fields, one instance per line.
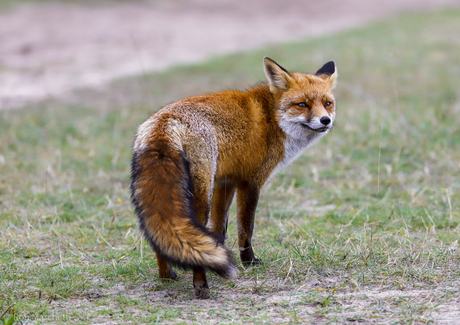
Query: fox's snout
x=317, y=124
x=326, y=120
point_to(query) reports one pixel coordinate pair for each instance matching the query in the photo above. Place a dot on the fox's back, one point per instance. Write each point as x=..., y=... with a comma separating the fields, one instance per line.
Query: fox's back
x=236, y=129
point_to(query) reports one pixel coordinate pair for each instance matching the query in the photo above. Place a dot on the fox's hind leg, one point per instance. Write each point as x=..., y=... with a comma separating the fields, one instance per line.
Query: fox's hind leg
x=202, y=184
x=222, y=198
x=164, y=267
x=202, y=160
x=200, y=283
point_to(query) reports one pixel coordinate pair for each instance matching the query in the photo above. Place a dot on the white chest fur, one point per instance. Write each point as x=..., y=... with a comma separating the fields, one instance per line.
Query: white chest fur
x=293, y=147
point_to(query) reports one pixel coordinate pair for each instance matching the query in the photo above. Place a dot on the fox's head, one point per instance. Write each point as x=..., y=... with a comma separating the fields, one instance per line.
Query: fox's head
x=305, y=103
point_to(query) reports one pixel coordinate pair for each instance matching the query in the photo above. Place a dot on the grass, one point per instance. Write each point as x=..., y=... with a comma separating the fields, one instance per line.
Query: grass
x=363, y=227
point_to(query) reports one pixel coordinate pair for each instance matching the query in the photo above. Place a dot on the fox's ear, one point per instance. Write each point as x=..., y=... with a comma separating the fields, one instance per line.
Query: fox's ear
x=278, y=77
x=329, y=71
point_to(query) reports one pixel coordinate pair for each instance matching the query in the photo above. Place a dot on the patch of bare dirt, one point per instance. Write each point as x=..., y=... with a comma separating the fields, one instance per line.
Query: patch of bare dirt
x=49, y=49
x=315, y=302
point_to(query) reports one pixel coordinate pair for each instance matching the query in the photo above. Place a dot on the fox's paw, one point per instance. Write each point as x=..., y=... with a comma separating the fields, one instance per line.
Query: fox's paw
x=201, y=290
x=248, y=258
x=253, y=262
x=169, y=275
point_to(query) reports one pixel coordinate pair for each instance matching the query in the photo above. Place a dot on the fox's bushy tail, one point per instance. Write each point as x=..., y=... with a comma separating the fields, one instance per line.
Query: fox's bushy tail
x=161, y=191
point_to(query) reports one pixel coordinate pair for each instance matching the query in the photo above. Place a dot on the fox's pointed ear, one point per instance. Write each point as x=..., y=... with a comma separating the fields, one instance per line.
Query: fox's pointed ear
x=328, y=71
x=278, y=77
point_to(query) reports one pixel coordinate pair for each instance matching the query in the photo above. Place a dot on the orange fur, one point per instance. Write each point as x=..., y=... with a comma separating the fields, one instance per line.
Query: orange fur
x=193, y=155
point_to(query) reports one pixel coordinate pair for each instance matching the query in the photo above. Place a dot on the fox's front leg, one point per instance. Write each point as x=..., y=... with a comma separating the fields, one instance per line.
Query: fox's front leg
x=247, y=199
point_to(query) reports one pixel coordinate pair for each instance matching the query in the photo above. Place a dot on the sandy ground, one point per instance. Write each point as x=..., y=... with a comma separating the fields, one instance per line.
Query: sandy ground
x=49, y=49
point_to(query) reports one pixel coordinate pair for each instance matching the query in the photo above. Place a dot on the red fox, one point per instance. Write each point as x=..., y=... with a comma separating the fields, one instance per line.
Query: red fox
x=192, y=156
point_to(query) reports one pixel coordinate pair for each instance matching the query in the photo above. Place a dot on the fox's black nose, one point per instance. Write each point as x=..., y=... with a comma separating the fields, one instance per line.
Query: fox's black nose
x=325, y=120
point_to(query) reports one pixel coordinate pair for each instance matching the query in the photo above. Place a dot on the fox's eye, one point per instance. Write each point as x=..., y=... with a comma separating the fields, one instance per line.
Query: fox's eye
x=328, y=104
x=302, y=104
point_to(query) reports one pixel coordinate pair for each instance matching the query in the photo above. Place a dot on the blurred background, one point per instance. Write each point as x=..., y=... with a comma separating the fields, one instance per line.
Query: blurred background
x=48, y=48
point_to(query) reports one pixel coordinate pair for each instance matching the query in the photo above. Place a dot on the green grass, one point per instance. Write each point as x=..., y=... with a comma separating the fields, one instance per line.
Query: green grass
x=363, y=227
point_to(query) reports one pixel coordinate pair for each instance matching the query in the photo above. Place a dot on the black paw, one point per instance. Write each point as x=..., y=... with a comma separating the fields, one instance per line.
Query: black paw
x=169, y=276
x=253, y=262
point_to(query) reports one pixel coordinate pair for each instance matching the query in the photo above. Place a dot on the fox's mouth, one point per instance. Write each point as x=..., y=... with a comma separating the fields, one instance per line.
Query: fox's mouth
x=322, y=129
